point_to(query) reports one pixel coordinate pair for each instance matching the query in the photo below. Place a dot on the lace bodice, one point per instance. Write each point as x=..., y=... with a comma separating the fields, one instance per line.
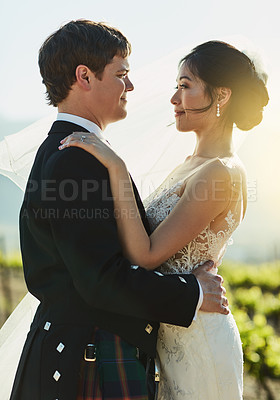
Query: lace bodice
x=209, y=244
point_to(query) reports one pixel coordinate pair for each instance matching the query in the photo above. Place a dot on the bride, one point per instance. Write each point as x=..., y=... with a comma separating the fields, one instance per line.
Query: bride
x=194, y=212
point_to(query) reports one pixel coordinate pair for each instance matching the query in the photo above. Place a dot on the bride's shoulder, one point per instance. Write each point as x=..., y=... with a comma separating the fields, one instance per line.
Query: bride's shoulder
x=232, y=161
x=234, y=166
x=212, y=176
x=221, y=170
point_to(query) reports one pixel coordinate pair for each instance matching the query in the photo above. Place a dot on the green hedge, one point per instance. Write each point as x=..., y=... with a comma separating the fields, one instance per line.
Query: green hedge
x=13, y=260
x=253, y=292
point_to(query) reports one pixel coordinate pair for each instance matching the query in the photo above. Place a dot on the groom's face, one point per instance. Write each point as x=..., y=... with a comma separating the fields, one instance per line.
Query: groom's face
x=110, y=93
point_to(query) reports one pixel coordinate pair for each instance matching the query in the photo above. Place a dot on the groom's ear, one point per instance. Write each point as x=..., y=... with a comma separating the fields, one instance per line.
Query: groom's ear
x=83, y=77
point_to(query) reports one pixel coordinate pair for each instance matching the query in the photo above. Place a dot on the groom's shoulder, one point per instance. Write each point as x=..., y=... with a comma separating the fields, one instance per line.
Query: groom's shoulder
x=74, y=161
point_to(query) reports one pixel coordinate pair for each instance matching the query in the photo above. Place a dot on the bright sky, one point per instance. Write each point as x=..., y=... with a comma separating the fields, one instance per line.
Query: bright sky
x=156, y=28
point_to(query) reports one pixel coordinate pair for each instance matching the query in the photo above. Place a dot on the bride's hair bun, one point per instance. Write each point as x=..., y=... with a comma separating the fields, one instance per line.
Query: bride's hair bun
x=219, y=64
x=248, y=99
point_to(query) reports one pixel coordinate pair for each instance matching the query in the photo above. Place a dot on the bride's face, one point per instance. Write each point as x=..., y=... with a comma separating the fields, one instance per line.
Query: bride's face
x=190, y=95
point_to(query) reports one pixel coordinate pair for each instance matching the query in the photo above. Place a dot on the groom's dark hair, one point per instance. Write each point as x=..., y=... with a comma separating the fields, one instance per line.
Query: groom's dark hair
x=78, y=42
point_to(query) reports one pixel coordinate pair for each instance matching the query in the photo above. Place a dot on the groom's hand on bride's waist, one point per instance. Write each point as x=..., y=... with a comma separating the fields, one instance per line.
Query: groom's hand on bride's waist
x=214, y=299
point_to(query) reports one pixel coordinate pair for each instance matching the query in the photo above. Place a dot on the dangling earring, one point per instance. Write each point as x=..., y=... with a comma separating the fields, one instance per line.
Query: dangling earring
x=218, y=110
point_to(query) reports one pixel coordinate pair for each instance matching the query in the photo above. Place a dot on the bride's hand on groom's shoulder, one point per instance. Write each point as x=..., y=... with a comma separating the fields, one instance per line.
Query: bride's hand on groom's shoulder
x=94, y=145
x=214, y=299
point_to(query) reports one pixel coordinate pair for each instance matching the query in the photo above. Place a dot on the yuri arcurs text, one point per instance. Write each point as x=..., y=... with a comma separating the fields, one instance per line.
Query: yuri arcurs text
x=76, y=213
x=67, y=213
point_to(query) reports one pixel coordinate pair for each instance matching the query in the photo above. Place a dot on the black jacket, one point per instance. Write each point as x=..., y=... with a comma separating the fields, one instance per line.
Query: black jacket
x=73, y=264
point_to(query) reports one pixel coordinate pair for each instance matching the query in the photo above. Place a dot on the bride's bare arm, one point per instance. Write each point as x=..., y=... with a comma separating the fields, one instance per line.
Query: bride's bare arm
x=206, y=195
x=204, y=198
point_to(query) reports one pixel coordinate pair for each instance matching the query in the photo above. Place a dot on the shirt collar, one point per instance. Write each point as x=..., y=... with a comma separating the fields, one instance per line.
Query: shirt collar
x=84, y=123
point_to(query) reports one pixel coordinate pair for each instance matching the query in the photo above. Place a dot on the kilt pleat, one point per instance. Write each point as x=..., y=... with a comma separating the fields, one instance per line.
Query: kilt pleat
x=117, y=374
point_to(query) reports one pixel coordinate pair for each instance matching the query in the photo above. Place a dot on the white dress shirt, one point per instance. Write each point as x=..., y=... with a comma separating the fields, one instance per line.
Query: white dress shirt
x=92, y=127
x=84, y=123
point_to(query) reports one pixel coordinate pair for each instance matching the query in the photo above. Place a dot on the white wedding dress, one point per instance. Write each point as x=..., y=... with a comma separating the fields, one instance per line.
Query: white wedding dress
x=204, y=361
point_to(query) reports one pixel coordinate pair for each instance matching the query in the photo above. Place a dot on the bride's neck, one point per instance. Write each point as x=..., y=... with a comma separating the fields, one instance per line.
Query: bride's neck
x=213, y=144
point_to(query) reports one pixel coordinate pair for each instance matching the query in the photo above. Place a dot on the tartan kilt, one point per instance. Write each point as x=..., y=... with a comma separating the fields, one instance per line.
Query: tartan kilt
x=117, y=374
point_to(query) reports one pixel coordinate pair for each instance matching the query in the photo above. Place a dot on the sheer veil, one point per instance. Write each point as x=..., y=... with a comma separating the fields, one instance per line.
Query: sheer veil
x=148, y=142
x=147, y=139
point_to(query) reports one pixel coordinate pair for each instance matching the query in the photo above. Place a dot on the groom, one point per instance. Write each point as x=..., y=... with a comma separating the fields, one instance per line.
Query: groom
x=95, y=331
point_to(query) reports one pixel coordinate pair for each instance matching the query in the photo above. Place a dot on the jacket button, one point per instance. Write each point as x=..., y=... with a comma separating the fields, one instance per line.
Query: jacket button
x=56, y=376
x=47, y=326
x=149, y=329
x=60, y=347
